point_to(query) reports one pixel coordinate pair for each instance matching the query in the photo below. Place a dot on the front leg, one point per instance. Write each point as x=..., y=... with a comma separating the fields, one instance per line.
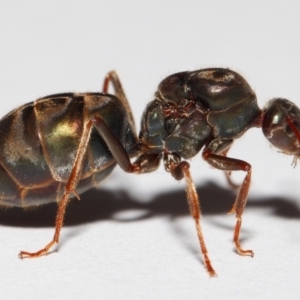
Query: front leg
x=232, y=184
x=231, y=164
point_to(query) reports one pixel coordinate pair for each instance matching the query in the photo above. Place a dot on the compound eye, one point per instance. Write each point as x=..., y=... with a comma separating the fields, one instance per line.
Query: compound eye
x=281, y=125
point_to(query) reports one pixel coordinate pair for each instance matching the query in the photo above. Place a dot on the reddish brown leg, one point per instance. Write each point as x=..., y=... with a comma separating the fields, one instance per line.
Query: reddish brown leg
x=231, y=164
x=178, y=172
x=144, y=164
x=112, y=77
x=228, y=173
x=58, y=225
x=69, y=188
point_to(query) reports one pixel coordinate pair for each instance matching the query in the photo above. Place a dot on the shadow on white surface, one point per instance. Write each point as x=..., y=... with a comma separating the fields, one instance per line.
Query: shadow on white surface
x=98, y=205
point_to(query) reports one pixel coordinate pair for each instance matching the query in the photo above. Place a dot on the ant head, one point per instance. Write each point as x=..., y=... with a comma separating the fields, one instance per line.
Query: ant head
x=281, y=126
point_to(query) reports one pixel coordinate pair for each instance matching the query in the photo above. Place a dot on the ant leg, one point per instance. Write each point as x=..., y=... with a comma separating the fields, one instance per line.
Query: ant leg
x=113, y=77
x=69, y=188
x=178, y=172
x=231, y=164
x=144, y=164
x=148, y=163
x=228, y=173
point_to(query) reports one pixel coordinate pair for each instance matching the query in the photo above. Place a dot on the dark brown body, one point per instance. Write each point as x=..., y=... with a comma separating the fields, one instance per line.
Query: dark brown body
x=59, y=146
x=39, y=142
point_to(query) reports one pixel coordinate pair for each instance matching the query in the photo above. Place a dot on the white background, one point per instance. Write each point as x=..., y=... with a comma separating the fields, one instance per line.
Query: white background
x=134, y=238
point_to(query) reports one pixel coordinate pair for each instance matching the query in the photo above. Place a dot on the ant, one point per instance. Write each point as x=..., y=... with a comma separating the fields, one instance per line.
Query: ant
x=61, y=145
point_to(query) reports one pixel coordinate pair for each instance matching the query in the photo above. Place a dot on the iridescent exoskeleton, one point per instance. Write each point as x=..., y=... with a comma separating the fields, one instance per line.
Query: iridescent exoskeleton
x=61, y=145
